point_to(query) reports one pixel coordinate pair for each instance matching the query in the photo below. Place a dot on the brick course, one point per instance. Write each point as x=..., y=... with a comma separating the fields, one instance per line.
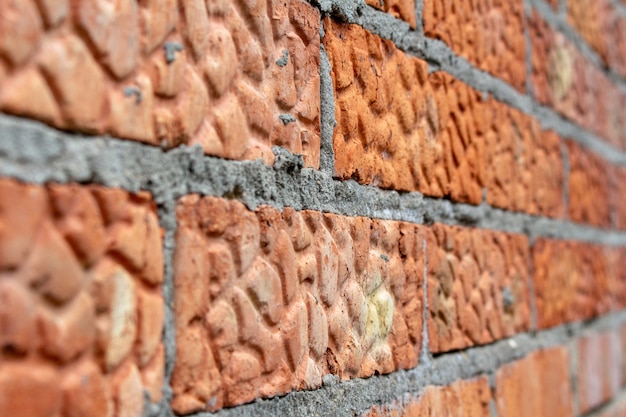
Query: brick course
x=234, y=82
x=81, y=309
x=447, y=140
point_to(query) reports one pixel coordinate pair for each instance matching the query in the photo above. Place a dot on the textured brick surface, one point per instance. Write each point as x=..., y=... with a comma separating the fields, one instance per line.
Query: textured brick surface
x=589, y=187
x=402, y=9
x=572, y=281
x=524, y=164
x=599, y=374
x=563, y=79
x=490, y=34
x=469, y=398
x=603, y=28
x=399, y=127
x=234, y=78
x=618, y=197
x=81, y=311
x=267, y=302
x=538, y=385
x=477, y=286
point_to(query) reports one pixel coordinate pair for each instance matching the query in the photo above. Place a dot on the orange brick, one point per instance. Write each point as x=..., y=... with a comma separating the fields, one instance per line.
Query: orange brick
x=77, y=304
x=489, y=34
x=571, y=280
x=603, y=28
x=402, y=9
x=268, y=302
x=477, y=286
x=431, y=133
x=524, y=165
x=538, y=385
x=563, y=79
x=599, y=375
x=235, y=80
x=589, y=187
x=462, y=398
x=406, y=132
x=618, y=196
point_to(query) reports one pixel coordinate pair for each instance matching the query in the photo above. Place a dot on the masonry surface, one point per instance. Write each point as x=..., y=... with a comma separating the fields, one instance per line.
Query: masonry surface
x=324, y=208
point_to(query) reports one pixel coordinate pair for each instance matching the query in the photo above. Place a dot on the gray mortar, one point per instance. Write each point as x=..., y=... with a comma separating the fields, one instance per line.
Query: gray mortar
x=327, y=114
x=32, y=152
x=440, y=56
x=349, y=398
x=419, y=16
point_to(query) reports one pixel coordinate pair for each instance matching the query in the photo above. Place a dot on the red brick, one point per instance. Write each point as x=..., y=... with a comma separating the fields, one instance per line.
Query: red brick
x=166, y=74
x=435, y=121
x=29, y=389
x=599, y=373
x=86, y=393
x=489, y=34
x=275, y=300
x=589, y=187
x=571, y=281
x=448, y=141
x=402, y=9
x=462, y=398
x=538, y=385
x=21, y=29
x=618, y=199
x=80, y=319
x=477, y=286
x=565, y=80
x=603, y=28
x=524, y=165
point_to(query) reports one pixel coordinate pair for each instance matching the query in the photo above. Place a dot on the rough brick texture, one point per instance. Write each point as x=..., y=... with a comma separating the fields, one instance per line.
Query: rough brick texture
x=565, y=80
x=81, y=310
x=490, y=34
x=267, y=302
x=402, y=128
x=463, y=398
x=477, y=286
x=599, y=373
x=538, y=385
x=589, y=187
x=572, y=281
x=402, y=9
x=235, y=80
x=603, y=28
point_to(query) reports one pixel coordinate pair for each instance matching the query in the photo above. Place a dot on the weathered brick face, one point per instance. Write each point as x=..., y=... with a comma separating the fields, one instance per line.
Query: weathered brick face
x=589, y=187
x=267, y=302
x=81, y=309
x=234, y=81
x=477, y=287
x=571, y=280
x=490, y=34
x=599, y=373
x=563, y=79
x=431, y=133
x=402, y=9
x=538, y=385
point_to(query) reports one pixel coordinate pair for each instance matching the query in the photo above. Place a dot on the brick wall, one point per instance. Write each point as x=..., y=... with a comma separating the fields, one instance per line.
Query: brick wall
x=334, y=208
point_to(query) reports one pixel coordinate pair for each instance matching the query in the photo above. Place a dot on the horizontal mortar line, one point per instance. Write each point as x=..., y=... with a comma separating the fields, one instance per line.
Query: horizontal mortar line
x=35, y=153
x=560, y=24
x=440, y=55
x=345, y=398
